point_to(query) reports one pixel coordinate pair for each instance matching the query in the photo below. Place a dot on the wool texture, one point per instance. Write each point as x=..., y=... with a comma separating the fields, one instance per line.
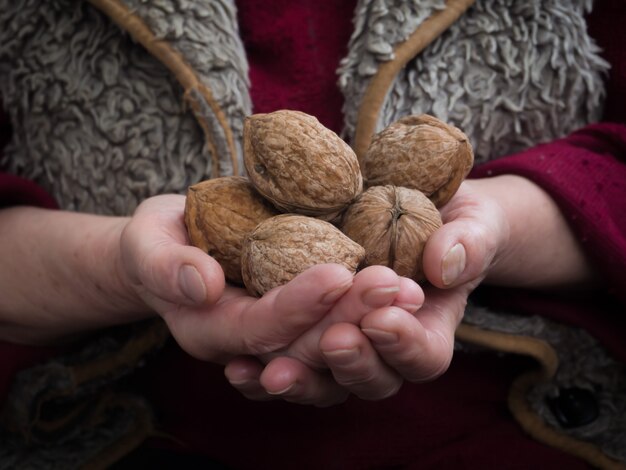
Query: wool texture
x=509, y=74
x=102, y=125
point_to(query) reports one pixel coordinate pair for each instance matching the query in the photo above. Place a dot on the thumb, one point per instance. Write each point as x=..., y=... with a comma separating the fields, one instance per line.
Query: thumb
x=463, y=249
x=159, y=261
x=181, y=275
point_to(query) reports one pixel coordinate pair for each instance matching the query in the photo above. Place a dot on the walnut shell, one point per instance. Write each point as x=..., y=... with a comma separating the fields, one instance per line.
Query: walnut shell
x=219, y=213
x=393, y=224
x=283, y=246
x=419, y=152
x=300, y=165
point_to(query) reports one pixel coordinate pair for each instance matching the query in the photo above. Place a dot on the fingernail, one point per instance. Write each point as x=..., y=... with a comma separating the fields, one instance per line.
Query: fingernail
x=334, y=295
x=283, y=391
x=453, y=264
x=191, y=284
x=244, y=384
x=380, y=336
x=411, y=308
x=379, y=296
x=343, y=356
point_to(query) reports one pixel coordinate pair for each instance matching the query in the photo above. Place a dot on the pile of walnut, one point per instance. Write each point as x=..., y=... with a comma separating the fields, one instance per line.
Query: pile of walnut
x=304, y=203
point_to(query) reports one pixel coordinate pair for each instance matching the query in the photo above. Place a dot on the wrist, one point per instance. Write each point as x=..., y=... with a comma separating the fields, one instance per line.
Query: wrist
x=104, y=295
x=61, y=275
x=127, y=303
x=541, y=250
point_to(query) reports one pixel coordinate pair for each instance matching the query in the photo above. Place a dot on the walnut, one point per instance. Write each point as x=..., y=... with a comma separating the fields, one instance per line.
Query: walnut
x=296, y=165
x=282, y=247
x=392, y=224
x=419, y=152
x=300, y=165
x=219, y=213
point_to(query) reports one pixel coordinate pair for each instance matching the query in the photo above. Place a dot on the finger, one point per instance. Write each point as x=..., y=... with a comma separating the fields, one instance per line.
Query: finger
x=419, y=347
x=180, y=275
x=464, y=247
x=410, y=297
x=243, y=373
x=372, y=288
x=291, y=380
x=285, y=313
x=355, y=365
x=240, y=324
x=157, y=256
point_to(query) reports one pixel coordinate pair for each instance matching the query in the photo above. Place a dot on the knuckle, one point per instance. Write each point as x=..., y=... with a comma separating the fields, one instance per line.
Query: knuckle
x=435, y=362
x=380, y=391
x=358, y=379
x=432, y=371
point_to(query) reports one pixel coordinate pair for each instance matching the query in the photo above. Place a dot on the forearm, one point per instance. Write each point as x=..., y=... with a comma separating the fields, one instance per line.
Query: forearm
x=541, y=250
x=61, y=274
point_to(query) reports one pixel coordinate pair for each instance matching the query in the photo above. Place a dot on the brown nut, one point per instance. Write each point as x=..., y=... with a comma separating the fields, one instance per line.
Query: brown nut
x=219, y=213
x=392, y=224
x=419, y=152
x=282, y=247
x=300, y=165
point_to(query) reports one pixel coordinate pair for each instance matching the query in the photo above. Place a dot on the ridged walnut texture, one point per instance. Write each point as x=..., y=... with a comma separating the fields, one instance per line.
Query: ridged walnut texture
x=419, y=152
x=219, y=213
x=300, y=165
x=392, y=224
x=282, y=247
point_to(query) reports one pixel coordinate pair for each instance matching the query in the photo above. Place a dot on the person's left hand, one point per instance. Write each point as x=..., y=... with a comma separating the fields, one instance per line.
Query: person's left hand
x=503, y=230
x=371, y=353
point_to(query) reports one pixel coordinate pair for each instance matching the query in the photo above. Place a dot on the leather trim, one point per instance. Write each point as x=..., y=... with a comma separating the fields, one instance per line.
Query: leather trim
x=184, y=73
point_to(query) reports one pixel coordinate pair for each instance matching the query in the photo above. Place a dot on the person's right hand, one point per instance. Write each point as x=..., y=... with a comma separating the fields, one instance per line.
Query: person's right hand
x=278, y=335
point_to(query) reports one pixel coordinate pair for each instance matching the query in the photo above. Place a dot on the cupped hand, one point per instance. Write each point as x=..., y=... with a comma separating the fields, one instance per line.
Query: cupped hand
x=209, y=319
x=457, y=257
x=333, y=358
x=418, y=345
x=274, y=339
x=371, y=351
x=388, y=346
x=502, y=230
